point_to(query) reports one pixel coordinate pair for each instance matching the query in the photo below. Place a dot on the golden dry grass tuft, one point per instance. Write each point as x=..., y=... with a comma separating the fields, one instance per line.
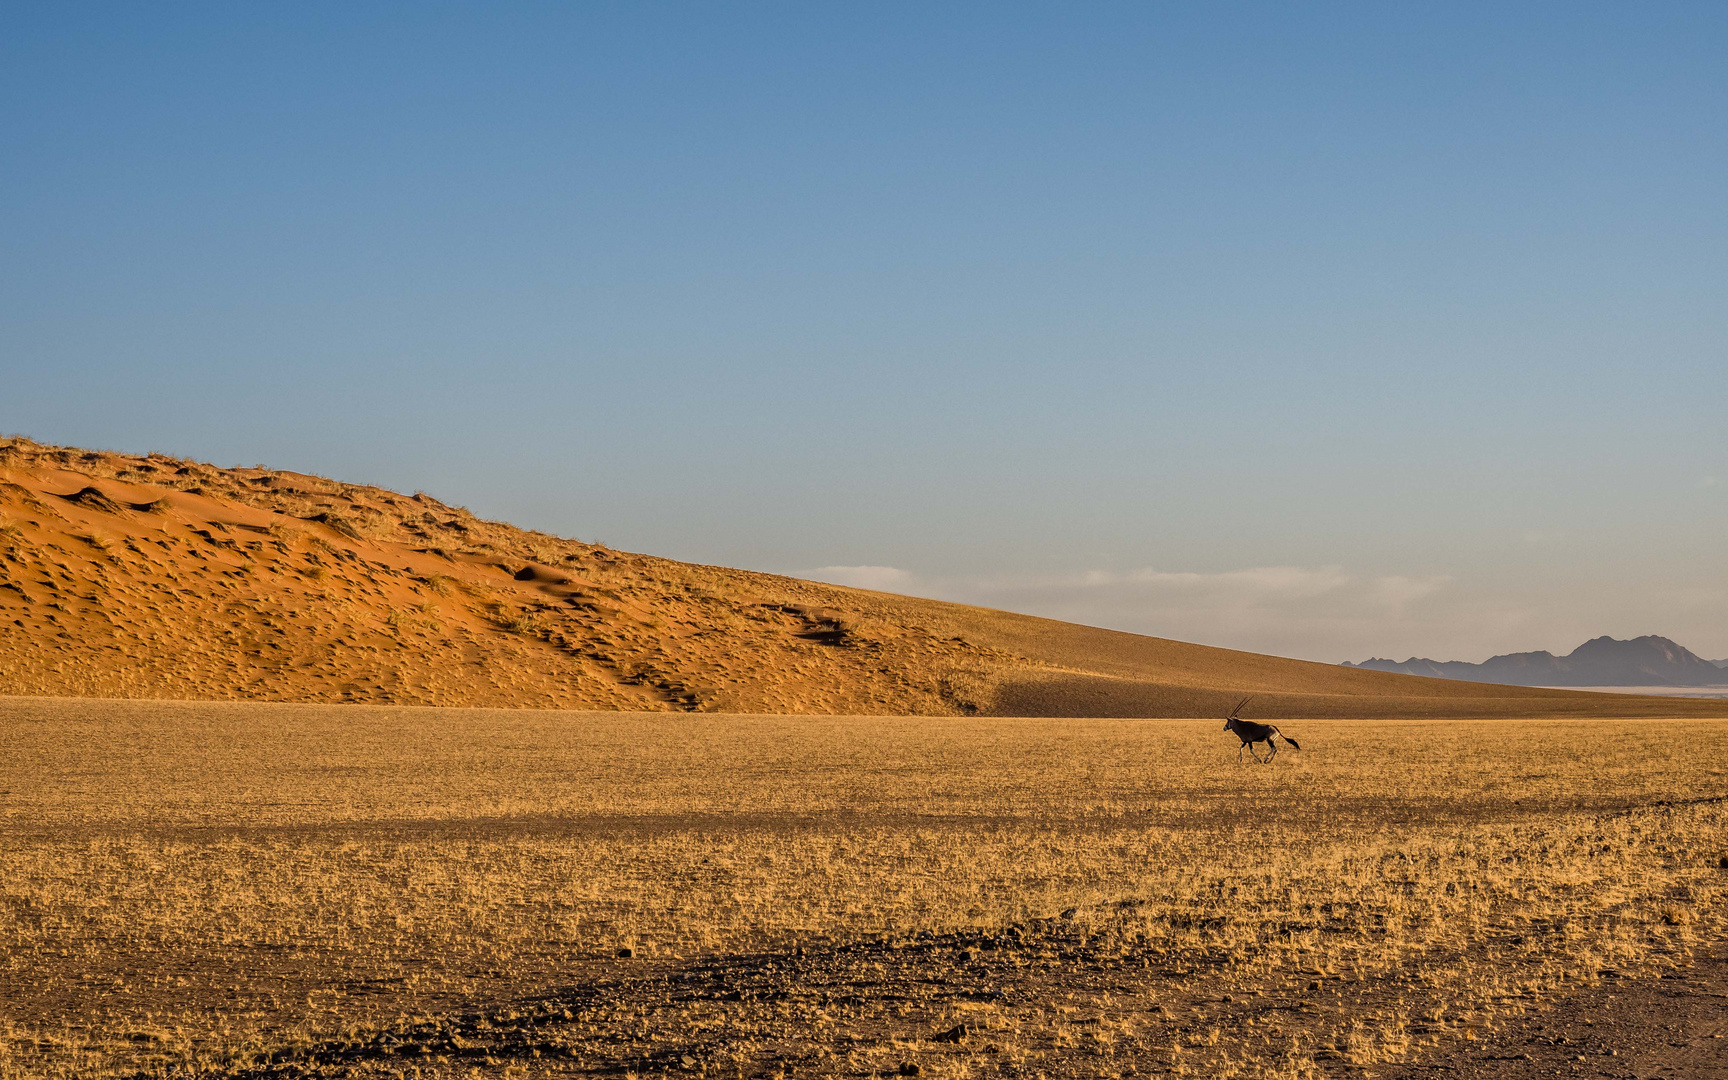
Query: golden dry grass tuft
x=279, y=890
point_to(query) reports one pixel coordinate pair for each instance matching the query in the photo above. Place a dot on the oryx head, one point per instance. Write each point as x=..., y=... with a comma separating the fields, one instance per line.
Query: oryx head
x=1230, y=721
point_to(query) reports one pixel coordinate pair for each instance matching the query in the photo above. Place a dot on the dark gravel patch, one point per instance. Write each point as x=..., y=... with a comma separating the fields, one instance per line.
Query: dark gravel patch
x=1674, y=1027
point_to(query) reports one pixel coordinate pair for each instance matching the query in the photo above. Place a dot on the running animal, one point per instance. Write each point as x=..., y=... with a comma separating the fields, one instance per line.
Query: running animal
x=1250, y=733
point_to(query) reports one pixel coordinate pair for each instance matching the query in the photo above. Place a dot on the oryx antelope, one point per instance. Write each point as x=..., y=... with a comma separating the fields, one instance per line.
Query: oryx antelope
x=1250, y=733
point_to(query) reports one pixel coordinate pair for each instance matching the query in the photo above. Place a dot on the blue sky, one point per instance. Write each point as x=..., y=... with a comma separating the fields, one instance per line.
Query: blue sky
x=1327, y=330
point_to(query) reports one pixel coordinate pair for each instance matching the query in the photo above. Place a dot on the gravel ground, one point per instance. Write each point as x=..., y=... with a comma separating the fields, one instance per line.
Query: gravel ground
x=1673, y=1027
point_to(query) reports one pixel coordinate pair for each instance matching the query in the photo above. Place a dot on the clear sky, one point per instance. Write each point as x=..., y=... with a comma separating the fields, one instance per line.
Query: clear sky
x=1331, y=330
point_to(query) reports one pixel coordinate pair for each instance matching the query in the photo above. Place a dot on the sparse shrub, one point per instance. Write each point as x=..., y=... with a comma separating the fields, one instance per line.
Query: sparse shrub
x=525, y=622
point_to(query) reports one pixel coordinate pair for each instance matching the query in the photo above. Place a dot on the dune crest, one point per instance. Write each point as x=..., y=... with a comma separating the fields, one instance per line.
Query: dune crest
x=129, y=576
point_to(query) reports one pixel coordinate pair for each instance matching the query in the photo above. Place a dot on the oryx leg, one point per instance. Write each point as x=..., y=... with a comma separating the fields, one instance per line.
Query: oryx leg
x=1239, y=750
x=1272, y=749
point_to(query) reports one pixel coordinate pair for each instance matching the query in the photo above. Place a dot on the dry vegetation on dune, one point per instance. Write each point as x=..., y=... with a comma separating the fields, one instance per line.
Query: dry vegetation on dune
x=129, y=576
x=138, y=577
x=298, y=890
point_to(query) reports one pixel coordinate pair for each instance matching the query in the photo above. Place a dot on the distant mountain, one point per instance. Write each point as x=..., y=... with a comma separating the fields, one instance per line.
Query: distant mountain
x=1603, y=661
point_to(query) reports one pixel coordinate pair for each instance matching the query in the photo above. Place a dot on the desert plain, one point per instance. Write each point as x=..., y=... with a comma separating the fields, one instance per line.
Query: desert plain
x=282, y=890
x=302, y=778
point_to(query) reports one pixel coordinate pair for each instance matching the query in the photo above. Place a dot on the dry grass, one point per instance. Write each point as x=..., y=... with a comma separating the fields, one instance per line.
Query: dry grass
x=203, y=884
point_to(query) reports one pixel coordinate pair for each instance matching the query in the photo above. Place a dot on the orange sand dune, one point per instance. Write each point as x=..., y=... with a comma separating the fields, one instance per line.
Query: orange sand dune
x=155, y=577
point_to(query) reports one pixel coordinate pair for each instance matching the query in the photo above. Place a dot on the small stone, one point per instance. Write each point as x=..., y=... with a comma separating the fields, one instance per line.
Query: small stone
x=1314, y=984
x=910, y=1068
x=625, y=954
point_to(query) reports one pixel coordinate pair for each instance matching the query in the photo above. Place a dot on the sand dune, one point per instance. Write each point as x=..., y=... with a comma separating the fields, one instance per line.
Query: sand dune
x=155, y=577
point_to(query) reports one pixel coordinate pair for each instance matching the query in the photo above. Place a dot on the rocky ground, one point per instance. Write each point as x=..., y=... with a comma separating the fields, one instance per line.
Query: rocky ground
x=1046, y=999
x=1675, y=1026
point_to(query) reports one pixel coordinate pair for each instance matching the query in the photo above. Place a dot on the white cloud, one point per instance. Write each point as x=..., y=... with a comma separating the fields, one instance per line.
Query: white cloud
x=1290, y=610
x=1263, y=582
x=1321, y=613
x=880, y=578
x=1396, y=591
x=1330, y=613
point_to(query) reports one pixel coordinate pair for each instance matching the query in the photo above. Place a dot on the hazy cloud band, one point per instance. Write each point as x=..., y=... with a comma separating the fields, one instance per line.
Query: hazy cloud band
x=1320, y=613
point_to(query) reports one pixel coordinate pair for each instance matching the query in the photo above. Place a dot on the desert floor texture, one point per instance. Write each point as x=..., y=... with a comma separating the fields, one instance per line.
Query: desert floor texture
x=265, y=890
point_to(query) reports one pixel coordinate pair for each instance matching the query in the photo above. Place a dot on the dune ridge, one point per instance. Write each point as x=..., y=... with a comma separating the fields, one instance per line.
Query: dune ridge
x=151, y=576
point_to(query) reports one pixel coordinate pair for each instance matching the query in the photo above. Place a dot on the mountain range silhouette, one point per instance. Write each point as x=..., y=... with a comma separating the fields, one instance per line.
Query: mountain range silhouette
x=1642, y=661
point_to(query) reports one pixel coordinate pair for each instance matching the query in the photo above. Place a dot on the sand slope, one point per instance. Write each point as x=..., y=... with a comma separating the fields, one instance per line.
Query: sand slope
x=155, y=577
